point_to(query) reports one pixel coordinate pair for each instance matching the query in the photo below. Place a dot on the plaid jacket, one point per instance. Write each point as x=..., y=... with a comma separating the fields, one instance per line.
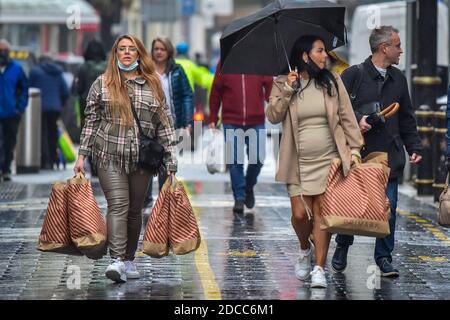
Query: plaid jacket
x=110, y=142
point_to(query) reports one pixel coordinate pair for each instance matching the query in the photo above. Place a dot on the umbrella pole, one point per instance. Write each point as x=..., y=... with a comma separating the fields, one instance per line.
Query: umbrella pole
x=282, y=44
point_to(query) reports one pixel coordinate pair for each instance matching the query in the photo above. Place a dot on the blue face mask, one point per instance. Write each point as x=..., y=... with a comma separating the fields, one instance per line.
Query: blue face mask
x=131, y=67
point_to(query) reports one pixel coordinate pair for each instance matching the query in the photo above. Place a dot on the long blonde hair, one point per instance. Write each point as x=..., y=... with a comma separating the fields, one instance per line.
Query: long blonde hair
x=118, y=94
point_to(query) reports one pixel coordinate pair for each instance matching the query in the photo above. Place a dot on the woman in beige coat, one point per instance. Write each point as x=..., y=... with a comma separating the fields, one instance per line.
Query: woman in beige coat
x=318, y=125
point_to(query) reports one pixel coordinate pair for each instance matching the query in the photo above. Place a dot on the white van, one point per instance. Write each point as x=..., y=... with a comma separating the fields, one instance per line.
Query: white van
x=391, y=14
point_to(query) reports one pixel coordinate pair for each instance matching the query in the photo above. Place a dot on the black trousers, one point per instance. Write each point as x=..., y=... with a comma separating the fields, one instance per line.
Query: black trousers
x=49, y=139
x=8, y=139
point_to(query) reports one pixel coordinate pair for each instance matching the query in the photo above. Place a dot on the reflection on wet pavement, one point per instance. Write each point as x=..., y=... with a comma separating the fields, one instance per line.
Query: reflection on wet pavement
x=246, y=256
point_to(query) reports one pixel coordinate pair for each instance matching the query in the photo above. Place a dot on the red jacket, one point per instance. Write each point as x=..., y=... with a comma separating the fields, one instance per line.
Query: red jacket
x=242, y=98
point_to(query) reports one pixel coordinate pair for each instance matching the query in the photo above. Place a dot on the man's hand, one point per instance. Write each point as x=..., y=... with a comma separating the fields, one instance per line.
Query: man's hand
x=363, y=125
x=415, y=158
x=212, y=125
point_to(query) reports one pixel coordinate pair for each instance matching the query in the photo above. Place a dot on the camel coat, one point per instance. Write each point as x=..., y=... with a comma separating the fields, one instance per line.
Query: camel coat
x=341, y=119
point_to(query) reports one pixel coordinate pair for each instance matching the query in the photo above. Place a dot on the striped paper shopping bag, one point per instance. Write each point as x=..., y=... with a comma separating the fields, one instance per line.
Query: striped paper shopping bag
x=184, y=236
x=55, y=233
x=357, y=204
x=87, y=224
x=156, y=236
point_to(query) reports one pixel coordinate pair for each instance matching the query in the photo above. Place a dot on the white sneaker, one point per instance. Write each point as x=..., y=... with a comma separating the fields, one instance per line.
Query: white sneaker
x=318, y=279
x=131, y=271
x=116, y=271
x=303, y=265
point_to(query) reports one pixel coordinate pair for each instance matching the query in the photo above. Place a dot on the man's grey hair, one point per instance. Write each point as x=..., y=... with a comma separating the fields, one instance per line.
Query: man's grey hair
x=380, y=35
x=5, y=43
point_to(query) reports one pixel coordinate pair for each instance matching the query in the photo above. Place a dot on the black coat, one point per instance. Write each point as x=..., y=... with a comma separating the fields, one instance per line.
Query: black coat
x=399, y=130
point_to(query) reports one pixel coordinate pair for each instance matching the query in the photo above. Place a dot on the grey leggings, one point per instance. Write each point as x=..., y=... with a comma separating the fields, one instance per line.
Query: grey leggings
x=125, y=197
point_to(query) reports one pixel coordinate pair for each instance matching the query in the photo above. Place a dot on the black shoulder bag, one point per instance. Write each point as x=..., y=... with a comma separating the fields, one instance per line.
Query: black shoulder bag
x=151, y=152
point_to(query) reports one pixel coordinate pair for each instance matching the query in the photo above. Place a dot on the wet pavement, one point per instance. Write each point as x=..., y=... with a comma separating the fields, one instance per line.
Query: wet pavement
x=247, y=256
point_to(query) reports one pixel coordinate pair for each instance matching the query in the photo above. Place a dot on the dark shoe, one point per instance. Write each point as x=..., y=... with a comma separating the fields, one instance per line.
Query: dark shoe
x=6, y=177
x=249, y=198
x=386, y=268
x=238, y=206
x=339, y=261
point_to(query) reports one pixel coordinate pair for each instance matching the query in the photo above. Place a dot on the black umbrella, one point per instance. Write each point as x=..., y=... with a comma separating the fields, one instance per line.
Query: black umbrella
x=262, y=42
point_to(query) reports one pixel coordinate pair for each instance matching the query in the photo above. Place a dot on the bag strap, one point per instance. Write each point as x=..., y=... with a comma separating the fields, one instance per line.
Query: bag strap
x=357, y=82
x=136, y=117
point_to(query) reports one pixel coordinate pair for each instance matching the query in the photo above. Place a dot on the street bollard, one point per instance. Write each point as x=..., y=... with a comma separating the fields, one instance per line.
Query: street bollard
x=424, y=179
x=439, y=152
x=28, y=149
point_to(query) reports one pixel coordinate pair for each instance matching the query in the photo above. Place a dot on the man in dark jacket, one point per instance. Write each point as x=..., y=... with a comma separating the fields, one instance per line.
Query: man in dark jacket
x=48, y=77
x=13, y=101
x=377, y=81
x=242, y=99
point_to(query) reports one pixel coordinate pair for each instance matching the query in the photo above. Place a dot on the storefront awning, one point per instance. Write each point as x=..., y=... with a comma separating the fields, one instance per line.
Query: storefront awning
x=47, y=12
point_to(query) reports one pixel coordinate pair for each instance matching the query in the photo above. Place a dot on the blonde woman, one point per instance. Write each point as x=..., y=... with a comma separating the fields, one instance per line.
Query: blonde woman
x=318, y=125
x=111, y=136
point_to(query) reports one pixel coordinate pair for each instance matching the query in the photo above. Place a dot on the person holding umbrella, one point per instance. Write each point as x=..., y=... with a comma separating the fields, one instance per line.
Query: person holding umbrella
x=318, y=125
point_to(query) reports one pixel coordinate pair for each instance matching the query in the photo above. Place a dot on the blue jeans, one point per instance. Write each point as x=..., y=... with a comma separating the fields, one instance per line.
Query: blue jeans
x=236, y=137
x=383, y=246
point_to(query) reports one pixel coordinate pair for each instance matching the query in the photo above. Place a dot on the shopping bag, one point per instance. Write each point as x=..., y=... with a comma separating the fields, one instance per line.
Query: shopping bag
x=184, y=235
x=156, y=236
x=55, y=233
x=65, y=143
x=215, y=152
x=444, y=206
x=357, y=204
x=86, y=222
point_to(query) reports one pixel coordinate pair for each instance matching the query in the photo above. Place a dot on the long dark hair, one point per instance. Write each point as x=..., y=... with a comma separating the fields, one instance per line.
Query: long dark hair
x=323, y=77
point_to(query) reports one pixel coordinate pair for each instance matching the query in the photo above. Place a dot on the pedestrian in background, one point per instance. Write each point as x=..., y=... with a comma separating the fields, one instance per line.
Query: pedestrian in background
x=111, y=135
x=178, y=94
x=13, y=101
x=318, y=125
x=383, y=84
x=93, y=66
x=242, y=100
x=48, y=77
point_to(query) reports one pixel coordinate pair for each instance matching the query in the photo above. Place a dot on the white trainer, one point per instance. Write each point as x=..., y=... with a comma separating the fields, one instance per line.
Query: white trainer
x=303, y=265
x=131, y=270
x=116, y=271
x=318, y=279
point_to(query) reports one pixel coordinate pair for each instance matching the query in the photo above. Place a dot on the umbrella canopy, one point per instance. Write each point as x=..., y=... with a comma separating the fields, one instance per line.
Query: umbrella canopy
x=262, y=42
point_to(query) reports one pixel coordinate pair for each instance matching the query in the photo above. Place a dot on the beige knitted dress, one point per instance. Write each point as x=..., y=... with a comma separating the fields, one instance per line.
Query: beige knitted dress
x=316, y=146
